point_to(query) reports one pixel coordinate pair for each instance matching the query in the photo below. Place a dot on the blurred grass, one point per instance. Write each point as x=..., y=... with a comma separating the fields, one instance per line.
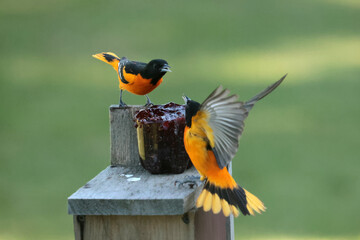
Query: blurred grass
x=299, y=152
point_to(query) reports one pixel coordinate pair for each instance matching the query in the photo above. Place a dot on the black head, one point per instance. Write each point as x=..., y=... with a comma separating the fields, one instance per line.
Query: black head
x=191, y=108
x=159, y=65
x=155, y=70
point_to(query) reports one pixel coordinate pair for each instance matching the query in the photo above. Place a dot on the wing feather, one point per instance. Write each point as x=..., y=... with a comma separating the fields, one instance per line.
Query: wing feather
x=226, y=116
x=127, y=69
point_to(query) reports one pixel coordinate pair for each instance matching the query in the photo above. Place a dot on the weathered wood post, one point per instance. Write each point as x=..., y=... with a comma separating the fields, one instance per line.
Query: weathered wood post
x=124, y=201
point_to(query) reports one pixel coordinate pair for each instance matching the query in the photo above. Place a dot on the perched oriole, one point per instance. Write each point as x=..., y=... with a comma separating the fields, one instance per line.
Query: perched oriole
x=136, y=77
x=211, y=138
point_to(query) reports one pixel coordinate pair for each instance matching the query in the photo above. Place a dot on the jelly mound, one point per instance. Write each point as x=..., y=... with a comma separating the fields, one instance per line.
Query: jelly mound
x=160, y=131
x=161, y=113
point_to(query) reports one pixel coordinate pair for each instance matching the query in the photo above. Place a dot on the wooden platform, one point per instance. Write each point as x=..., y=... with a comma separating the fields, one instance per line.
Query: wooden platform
x=133, y=191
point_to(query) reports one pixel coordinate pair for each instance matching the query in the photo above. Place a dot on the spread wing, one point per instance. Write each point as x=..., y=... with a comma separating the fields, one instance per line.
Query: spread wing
x=226, y=117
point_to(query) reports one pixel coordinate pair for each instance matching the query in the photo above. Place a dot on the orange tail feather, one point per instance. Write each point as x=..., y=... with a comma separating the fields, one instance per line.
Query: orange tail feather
x=228, y=200
x=109, y=58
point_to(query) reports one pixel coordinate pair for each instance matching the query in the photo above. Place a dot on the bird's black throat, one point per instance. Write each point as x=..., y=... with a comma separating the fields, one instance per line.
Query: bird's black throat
x=153, y=70
x=191, y=108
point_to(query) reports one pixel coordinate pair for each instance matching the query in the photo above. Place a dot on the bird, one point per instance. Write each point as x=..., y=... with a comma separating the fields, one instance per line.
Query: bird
x=136, y=77
x=211, y=139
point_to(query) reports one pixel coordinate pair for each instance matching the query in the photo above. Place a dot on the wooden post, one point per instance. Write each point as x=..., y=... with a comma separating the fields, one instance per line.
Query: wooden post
x=124, y=201
x=123, y=139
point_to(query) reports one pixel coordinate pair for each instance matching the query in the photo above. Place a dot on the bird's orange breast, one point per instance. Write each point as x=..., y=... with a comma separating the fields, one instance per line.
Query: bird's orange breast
x=137, y=84
x=204, y=160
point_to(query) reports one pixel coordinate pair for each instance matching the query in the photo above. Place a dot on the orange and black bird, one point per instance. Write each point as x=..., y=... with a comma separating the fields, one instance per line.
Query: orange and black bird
x=211, y=139
x=136, y=77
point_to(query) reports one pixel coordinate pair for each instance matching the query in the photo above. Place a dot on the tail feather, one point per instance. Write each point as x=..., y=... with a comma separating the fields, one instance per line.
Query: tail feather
x=216, y=204
x=109, y=58
x=201, y=199
x=208, y=202
x=254, y=202
x=228, y=200
x=225, y=207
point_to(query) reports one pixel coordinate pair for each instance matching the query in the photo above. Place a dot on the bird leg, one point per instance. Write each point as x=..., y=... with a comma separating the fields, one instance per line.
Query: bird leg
x=121, y=103
x=148, y=102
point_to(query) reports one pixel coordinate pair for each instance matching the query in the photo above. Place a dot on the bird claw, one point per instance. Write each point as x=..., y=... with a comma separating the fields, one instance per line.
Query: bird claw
x=148, y=104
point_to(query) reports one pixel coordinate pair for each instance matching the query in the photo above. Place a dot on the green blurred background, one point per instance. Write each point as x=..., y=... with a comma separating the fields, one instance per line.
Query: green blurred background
x=300, y=149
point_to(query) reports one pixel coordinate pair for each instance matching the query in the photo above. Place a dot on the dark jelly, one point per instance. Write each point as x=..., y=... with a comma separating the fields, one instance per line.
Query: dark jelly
x=160, y=134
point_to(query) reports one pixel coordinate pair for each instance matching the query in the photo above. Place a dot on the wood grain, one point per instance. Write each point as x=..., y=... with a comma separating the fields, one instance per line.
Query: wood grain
x=135, y=227
x=199, y=225
x=123, y=136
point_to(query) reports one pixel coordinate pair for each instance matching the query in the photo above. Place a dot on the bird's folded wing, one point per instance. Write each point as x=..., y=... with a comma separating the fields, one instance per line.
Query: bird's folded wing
x=128, y=70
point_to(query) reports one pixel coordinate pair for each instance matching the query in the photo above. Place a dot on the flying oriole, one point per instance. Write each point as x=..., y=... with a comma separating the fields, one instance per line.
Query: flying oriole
x=211, y=139
x=136, y=77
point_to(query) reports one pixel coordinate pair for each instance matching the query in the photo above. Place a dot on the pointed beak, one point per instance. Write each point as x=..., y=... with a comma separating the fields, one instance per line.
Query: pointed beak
x=165, y=68
x=186, y=99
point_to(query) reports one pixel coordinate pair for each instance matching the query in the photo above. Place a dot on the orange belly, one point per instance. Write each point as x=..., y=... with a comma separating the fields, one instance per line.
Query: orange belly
x=138, y=85
x=205, y=162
